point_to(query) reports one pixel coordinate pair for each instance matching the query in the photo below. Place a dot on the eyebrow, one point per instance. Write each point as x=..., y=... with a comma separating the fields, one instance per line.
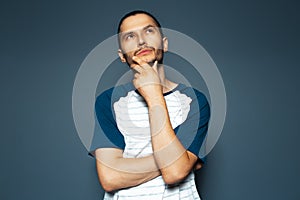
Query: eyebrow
x=130, y=32
x=149, y=26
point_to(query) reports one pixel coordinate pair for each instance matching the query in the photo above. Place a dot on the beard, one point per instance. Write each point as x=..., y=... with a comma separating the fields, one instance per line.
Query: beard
x=159, y=56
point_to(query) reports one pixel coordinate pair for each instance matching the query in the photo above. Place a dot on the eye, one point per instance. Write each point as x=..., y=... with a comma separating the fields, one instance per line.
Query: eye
x=129, y=36
x=149, y=30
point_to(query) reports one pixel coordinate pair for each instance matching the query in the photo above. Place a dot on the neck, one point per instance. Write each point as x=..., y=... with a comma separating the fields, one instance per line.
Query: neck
x=167, y=84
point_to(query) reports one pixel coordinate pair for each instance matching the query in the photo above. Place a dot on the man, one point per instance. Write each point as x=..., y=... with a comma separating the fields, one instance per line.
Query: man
x=147, y=159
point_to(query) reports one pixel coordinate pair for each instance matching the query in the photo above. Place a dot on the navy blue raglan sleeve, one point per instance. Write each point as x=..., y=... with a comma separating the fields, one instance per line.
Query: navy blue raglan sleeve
x=193, y=130
x=106, y=134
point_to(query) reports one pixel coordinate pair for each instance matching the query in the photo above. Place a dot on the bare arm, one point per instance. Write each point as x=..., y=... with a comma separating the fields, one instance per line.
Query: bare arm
x=173, y=160
x=116, y=172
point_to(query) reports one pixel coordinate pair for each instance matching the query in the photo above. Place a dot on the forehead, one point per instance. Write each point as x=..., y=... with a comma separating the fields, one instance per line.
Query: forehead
x=137, y=21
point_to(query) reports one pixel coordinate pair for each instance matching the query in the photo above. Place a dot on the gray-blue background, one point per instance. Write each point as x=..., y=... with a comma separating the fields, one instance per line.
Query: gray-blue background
x=255, y=44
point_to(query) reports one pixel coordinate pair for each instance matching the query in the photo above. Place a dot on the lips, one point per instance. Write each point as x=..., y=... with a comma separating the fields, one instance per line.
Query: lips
x=143, y=52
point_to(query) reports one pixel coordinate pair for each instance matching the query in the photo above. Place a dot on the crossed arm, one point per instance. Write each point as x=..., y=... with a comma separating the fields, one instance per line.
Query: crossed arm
x=170, y=159
x=116, y=172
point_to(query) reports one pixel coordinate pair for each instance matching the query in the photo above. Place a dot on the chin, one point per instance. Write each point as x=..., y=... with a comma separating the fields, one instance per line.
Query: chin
x=149, y=59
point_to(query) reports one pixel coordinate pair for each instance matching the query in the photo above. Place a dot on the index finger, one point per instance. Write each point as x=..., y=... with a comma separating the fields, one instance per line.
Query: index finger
x=136, y=67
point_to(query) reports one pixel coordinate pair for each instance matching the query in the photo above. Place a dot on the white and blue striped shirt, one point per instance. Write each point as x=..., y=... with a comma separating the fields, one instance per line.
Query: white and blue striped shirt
x=127, y=127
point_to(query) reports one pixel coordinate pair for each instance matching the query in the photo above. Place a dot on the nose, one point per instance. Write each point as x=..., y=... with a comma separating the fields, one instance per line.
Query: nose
x=141, y=40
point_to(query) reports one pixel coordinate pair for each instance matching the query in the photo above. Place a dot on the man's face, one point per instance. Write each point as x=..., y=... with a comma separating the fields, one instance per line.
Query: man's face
x=140, y=36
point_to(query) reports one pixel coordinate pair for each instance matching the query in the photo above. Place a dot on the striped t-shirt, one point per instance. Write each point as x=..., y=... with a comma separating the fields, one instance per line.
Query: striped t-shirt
x=124, y=123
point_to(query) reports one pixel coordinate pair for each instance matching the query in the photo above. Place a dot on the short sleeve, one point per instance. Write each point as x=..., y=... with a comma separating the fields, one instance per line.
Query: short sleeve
x=193, y=130
x=106, y=133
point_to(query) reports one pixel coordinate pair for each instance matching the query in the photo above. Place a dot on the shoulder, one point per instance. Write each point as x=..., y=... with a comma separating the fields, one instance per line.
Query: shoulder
x=193, y=93
x=114, y=93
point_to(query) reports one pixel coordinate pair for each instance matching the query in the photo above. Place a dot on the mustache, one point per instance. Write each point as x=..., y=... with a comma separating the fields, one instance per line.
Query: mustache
x=142, y=48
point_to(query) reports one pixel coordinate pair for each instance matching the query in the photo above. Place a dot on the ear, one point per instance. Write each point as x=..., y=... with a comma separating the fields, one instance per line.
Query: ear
x=121, y=55
x=165, y=44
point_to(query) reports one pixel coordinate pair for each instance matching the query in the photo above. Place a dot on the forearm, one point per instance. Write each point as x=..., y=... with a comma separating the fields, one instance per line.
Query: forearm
x=116, y=172
x=170, y=155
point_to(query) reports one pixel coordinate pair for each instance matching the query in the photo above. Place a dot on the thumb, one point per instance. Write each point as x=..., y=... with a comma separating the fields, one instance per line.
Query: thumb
x=154, y=66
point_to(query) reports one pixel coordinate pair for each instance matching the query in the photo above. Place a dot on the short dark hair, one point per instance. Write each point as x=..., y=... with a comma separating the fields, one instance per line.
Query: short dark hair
x=135, y=12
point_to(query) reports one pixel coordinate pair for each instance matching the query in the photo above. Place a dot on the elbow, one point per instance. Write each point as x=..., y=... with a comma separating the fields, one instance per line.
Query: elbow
x=107, y=188
x=108, y=178
x=174, y=177
x=109, y=184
